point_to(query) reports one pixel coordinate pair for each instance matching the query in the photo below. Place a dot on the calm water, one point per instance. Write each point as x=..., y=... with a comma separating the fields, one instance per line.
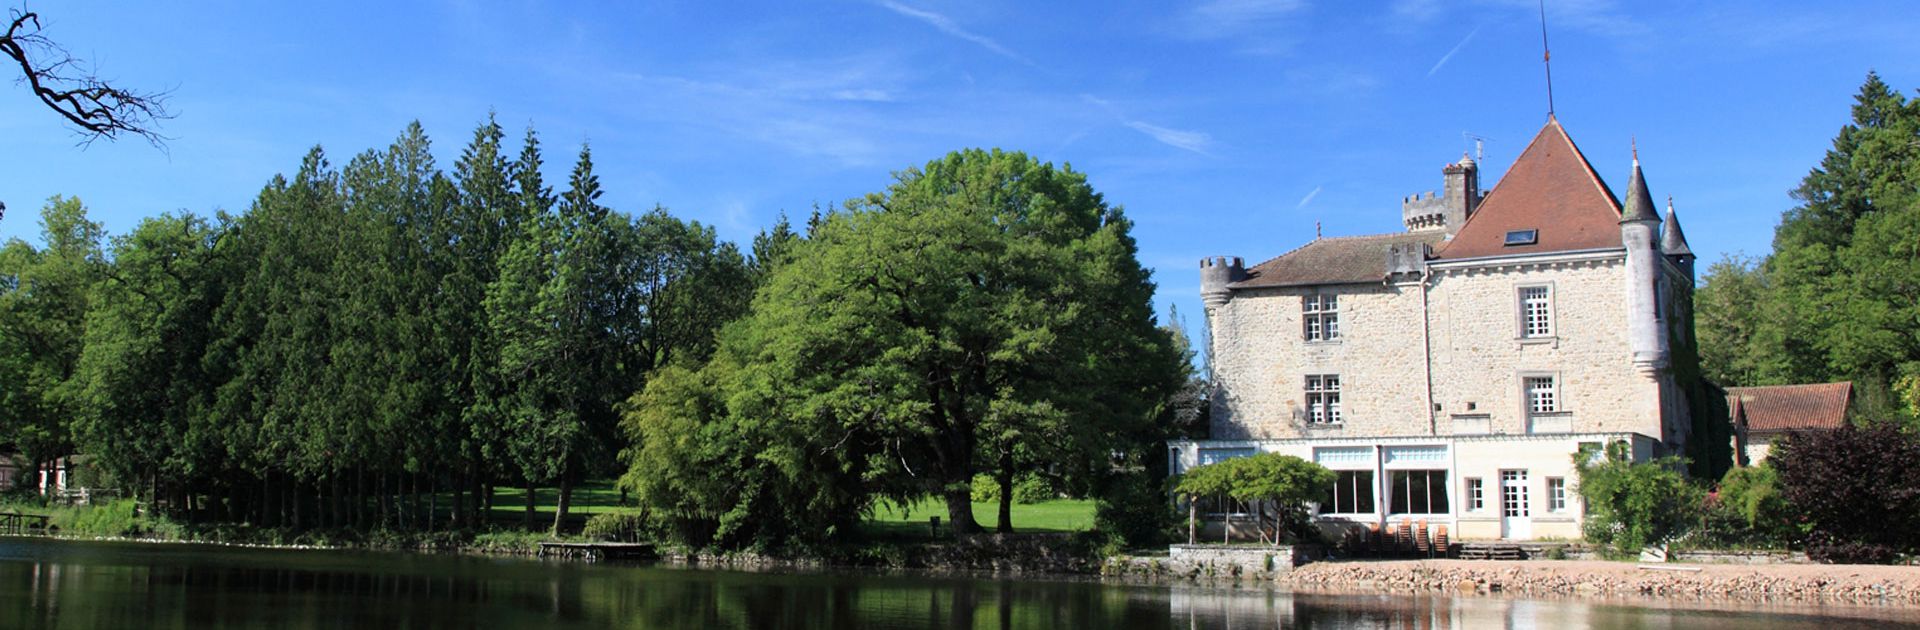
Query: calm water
x=50, y=584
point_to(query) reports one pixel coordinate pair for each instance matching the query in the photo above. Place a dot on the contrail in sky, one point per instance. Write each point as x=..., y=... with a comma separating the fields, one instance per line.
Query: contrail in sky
x=1456, y=48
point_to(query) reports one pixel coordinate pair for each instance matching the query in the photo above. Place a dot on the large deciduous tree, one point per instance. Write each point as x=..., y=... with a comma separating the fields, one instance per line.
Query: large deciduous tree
x=985, y=313
x=44, y=297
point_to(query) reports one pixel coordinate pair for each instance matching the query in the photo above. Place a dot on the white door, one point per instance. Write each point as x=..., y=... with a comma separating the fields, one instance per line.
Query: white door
x=1516, y=521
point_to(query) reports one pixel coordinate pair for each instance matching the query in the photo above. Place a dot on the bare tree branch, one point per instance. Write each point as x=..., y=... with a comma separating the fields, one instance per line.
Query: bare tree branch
x=68, y=86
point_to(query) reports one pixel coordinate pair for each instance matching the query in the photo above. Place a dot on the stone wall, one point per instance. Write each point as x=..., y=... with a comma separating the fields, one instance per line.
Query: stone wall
x=1216, y=562
x=1479, y=356
x=1261, y=361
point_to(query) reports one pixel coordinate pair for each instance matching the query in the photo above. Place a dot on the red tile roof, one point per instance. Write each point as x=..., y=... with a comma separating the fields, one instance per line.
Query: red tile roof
x=1777, y=408
x=1336, y=260
x=1550, y=188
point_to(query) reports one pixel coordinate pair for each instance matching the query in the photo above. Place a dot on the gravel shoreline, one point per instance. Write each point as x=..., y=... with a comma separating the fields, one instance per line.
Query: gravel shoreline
x=1848, y=584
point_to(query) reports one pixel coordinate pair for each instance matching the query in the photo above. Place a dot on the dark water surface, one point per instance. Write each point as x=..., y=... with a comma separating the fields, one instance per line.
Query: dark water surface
x=61, y=584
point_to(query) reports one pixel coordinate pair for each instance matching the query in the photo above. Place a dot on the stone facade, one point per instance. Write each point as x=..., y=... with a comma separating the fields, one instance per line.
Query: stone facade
x=1261, y=362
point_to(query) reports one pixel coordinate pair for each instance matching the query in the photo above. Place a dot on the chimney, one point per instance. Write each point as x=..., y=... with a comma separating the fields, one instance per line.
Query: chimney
x=1463, y=192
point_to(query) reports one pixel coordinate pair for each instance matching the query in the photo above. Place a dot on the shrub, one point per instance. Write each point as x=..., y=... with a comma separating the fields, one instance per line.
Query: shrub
x=1027, y=488
x=1859, y=487
x=616, y=526
x=1631, y=506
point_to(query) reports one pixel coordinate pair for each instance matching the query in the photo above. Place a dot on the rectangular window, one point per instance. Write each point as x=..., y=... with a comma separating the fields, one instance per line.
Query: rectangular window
x=1543, y=394
x=1352, y=493
x=1556, y=494
x=1320, y=317
x=1418, y=492
x=1476, y=495
x=1536, y=312
x=1323, y=398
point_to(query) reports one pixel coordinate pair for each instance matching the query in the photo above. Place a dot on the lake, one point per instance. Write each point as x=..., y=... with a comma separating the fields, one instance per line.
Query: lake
x=67, y=584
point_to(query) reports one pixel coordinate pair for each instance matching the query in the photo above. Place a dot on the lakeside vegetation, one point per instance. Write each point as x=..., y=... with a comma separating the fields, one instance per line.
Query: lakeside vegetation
x=392, y=347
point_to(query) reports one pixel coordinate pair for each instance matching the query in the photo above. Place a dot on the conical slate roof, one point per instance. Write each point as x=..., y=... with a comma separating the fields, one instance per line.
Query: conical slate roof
x=1639, y=201
x=1550, y=189
x=1672, y=241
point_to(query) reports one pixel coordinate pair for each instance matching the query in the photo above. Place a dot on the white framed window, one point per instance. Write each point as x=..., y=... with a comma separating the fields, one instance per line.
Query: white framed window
x=1536, y=312
x=1476, y=494
x=1556, y=494
x=1323, y=399
x=1320, y=317
x=1543, y=394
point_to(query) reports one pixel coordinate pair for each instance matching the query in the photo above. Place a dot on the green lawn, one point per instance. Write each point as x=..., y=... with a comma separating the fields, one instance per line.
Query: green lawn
x=600, y=496
x=1063, y=515
x=589, y=498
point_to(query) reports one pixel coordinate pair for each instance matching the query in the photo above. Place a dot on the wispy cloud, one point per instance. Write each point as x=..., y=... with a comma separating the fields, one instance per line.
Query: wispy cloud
x=1456, y=49
x=948, y=26
x=1226, y=18
x=1258, y=26
x=1309, y=198
x=1602, y=17
x=1196, y=141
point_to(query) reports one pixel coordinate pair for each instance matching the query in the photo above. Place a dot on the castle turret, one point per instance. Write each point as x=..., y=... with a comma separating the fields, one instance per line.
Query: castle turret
x=1432, y=213
x=1640, y=232
x=1215, y=274
x=1673, y=243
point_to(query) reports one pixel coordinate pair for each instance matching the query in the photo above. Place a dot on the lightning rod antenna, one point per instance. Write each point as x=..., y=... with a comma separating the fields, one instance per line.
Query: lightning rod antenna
x=1546, y=56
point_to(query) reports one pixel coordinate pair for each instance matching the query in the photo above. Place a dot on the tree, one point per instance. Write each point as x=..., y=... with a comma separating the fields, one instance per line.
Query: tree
x=1283, y=482
x=1858, y=486
x=44, y=297
x=97, y=109
x=1631, y=506
x=142, y=384
x=984, y=313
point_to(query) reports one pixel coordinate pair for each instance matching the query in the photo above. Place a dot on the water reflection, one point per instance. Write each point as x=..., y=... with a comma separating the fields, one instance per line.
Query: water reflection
x=45, y=584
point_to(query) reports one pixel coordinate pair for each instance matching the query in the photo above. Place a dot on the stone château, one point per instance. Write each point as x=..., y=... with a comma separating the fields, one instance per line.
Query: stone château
x=1450, y=373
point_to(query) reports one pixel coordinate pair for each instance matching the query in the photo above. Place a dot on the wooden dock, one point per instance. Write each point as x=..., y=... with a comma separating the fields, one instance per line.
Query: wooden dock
x=594, y=551
x=18, y=524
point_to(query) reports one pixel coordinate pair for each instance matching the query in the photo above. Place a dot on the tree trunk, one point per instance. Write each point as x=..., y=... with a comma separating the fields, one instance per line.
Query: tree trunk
x=566, y=498
x=1004, y=476
x=459, y=503
x=960, y=509
x=1226, y=532
x=531, y=497
x=1193, y=519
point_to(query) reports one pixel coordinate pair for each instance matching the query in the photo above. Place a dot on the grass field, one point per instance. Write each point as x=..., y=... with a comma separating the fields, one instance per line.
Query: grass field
x=1063, y=515
x=600, y=496
x=589, y=498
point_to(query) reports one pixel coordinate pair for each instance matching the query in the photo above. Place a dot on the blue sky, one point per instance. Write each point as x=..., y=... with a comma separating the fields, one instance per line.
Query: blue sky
x=1224, y=127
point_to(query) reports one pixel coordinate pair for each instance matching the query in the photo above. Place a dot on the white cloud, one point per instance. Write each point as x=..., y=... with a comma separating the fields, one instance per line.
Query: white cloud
x=948, y=26
x=1196, y=141
x=1258, y=26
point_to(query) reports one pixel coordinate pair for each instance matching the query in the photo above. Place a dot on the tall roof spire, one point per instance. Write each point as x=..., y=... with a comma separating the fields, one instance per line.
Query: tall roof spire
x=1672, y=241
x=1639, y=206
x=1546, y=56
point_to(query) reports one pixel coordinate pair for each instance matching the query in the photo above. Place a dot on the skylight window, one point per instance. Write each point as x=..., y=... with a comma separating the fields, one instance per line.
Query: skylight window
x=1522, y=237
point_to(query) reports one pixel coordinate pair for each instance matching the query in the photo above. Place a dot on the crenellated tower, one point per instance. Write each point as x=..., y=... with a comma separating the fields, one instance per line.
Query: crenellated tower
x=1433, y=212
